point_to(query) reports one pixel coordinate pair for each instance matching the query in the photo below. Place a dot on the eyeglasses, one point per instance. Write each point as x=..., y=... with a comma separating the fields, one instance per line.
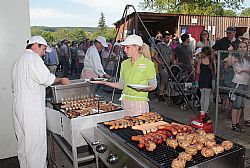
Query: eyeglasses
x=229, y=33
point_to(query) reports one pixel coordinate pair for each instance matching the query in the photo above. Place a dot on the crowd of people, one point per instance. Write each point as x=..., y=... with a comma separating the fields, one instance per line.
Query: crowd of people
x=67, y=58
x=202, y=63
x=141, y=68
x=197, y=58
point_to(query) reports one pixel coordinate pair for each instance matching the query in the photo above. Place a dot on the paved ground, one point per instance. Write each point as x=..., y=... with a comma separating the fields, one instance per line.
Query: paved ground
x=173, y=112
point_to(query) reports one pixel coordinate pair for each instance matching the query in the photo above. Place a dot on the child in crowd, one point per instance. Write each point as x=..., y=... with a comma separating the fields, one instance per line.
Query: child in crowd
x=205, y=70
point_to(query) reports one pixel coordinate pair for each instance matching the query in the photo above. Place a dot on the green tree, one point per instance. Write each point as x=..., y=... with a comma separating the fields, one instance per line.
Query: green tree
x=101, y=24
x=229, y=13
x=201, y=7
x=61, y=34
x=76, y=34
x=35, y=31
x=48, y=37
x=109, y=34
x=245, y=12
x=53, y=35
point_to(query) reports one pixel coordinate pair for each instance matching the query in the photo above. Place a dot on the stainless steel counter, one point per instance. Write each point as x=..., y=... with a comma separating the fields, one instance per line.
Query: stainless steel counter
x=71, y=130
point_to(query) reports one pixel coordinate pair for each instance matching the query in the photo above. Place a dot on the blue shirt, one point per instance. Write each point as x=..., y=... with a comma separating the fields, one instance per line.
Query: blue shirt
x=51, y=58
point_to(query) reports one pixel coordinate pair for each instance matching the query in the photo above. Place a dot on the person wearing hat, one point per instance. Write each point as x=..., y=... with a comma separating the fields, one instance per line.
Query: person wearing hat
x=92, y=63
x=29, y=78
x=137, y=77
x=225, y=43
x=230, y=42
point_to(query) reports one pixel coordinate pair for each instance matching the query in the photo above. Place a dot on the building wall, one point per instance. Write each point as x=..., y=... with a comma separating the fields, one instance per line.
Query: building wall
x=14, y=31
x=217, y=25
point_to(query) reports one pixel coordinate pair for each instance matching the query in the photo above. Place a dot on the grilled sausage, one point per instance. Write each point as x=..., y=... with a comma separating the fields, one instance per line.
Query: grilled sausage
x=168, y=128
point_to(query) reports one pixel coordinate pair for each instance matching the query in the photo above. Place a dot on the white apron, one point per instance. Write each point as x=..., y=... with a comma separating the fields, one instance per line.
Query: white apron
x=30, y=77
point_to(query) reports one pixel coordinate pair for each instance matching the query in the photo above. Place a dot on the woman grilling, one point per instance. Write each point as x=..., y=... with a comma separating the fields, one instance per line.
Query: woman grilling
x=137, y=77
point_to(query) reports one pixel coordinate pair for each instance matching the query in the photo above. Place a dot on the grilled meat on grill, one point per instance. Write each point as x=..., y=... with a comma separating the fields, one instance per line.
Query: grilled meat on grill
x=210, y=142
x=150, y=146
x=185, y=156
x=178, y=163
x=172, y=143
x=207, y=152
x=218, y=149
x=157, y=137
x=129, y=121
x=191, y=149
x=210, y=136
x=227, y=145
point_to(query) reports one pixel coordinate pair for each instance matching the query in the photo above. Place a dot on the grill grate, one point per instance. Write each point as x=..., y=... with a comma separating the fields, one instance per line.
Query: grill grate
x=57, y=106
x=163, y=155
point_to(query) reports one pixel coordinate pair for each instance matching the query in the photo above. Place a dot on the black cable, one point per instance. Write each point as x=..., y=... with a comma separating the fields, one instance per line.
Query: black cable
x=124, y=17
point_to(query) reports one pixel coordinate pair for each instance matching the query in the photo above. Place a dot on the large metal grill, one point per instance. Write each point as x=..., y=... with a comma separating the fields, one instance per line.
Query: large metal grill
x=163, y=155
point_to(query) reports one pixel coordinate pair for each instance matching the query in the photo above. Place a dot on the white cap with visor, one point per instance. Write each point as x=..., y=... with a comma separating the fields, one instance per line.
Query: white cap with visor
x=102, y=40
x=132, y=40
x=39, y=40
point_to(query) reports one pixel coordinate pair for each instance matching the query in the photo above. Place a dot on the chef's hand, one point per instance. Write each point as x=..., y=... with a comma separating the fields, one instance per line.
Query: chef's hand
x=62, y=81
x=65, y=81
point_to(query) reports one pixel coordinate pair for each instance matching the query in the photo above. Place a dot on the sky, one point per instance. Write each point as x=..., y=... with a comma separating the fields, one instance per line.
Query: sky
x=80, y=13
x=77, y=13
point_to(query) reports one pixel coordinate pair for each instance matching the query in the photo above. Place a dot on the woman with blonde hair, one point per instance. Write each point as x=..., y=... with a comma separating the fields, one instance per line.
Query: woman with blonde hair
x=145, y=51
x=137, y=77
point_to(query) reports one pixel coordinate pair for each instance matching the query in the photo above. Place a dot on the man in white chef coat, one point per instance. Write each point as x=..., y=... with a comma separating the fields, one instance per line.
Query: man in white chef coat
x=29, y=79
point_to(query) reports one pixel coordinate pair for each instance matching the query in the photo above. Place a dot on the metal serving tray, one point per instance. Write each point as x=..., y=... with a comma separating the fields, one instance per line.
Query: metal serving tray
x=78, y=89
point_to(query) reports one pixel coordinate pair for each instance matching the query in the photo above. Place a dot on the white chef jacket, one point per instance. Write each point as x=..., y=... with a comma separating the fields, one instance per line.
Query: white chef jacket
x=92, y=61
x=29, y=79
